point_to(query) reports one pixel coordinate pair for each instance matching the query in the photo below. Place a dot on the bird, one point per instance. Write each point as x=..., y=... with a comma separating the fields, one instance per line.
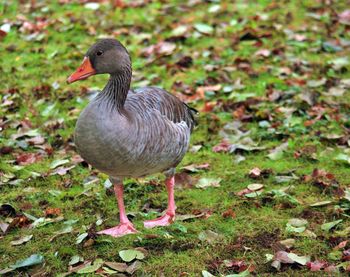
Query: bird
x=130, y=133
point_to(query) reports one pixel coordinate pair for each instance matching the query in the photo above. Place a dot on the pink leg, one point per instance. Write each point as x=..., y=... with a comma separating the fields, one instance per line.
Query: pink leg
x=125, y=226
x=169, y=216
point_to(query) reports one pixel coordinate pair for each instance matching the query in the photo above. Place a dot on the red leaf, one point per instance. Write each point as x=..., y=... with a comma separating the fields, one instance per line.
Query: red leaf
x=36, y=140
x=239, y=265
x=2, y=34
x=223, y=146
x=341, y=245
x=331, y=268
x=316, y=265
x=346, y=255
x=344, y=17
x=255, y=173
x=243, y=192
x=208, y=107
x=28, y=158
x=282, y=256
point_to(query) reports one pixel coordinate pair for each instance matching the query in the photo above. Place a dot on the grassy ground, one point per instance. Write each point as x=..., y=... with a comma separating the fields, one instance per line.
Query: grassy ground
x=278, y=70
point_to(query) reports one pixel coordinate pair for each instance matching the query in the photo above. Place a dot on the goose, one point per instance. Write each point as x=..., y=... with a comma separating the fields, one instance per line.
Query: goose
x=130, y=133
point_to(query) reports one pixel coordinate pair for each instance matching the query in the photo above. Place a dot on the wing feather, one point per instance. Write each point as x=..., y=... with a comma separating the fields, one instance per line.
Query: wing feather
x=167, y=104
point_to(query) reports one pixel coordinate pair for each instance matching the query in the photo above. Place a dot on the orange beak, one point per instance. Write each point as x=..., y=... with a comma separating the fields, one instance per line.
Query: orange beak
x=85, y=70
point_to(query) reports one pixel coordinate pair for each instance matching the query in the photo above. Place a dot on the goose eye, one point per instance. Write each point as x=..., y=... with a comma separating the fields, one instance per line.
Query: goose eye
x=99, y=53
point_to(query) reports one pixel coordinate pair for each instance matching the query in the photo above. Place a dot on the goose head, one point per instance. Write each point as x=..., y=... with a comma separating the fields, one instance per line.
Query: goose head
x=107, y=56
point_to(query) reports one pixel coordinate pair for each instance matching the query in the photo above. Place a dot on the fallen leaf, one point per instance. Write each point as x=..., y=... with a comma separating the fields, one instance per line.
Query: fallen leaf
x=21, y=240
x=3, y=226
x=229, y=214
x=341, y=245
x=120, y=267
x=81, y=237
x=344, y=17
x=131, y=254
x=263, y=53
x=208, y=182
x=255, y=187
x=207, y=274
x=49, y=212
x=184, y=217
x=57, y=163
x=254, y=173
x=288, y=258
x=28, y=158
x=196, y=167
x=343, y=158
x=32, y=260
x=316, y=265
x=321, y=203
x=316, y=83
x=283, y=257
x=75, y=259
x=288, y=243
x=210, y=236
x=299, y=259
x=204, y=28
x=136, y=265
x=277, y=153
x=223, y=146
x=296, y=225
x=91, y=268
x=329, y=225
x=62, y=170
x=36, y=140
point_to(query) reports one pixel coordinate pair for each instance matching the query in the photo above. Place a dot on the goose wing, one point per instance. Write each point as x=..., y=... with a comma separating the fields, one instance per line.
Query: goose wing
x=167, y=104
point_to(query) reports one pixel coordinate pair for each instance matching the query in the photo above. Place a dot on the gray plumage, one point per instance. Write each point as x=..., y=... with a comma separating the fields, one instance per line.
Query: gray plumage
x=131, y=133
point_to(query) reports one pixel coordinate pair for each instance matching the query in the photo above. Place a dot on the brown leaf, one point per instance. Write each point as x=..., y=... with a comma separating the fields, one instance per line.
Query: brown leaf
x=121, y=267
x=89, y=243
x=134, y=267
x=204, y=214
x=52, y=212
x=184, y=180
x=196, y=167
x=229, y=214
x=19, y=221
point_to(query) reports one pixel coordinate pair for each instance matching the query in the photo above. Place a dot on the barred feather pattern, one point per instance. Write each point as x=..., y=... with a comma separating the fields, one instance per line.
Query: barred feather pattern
x=133, y=133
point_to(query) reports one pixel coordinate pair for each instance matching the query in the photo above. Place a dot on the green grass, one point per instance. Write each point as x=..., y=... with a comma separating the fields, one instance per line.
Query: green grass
x=31, y=69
